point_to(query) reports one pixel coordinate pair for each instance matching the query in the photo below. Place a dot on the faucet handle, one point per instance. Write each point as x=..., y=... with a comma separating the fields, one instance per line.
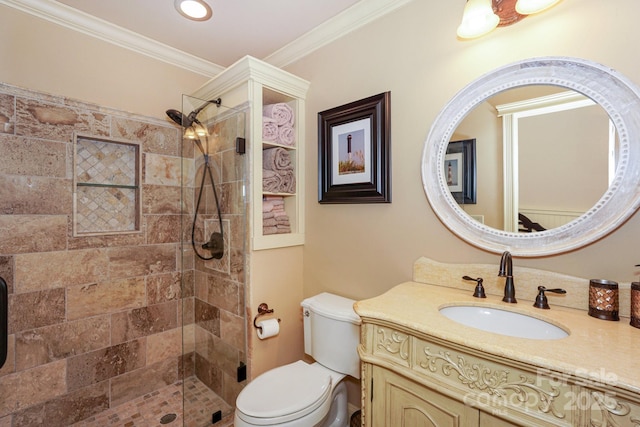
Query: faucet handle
x=541, y=299
x=479, y=291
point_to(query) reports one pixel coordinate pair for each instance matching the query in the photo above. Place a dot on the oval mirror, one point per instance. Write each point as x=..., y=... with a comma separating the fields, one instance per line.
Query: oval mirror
x=490, y=219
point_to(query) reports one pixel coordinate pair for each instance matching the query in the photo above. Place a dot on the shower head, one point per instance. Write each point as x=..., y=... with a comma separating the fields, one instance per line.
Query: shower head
x=186, y=121
x=177, y=117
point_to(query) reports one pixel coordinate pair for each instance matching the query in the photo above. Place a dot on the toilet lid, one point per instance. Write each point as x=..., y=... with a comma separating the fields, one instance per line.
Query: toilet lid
x=290, y=391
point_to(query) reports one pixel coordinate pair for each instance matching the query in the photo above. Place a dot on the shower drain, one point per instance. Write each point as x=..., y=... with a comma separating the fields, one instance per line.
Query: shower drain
x=166, y=419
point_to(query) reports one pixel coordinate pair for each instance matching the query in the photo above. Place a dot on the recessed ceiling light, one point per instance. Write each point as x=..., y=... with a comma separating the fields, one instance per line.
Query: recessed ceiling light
x=196, y=10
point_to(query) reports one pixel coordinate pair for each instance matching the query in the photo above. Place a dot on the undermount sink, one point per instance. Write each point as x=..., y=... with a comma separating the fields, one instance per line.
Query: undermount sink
x=503, y=322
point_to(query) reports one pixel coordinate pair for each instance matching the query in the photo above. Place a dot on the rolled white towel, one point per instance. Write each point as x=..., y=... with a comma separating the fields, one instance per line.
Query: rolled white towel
x=276, y=159
x=286, y=135
x=270, y=130
x=287, y=181
x=281, y=112
x=272, y=182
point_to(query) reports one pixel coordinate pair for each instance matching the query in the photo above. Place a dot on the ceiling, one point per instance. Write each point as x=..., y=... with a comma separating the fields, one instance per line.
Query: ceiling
x=277, y=31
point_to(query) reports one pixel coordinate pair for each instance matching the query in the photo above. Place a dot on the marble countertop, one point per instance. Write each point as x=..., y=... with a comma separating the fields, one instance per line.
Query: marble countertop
x=598, y=350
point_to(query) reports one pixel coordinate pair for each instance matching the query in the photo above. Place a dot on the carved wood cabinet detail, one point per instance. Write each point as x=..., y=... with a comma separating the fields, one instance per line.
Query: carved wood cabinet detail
x=411, y=379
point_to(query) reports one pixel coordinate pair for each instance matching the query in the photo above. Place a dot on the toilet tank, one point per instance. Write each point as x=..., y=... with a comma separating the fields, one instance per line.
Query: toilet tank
x=332, y=332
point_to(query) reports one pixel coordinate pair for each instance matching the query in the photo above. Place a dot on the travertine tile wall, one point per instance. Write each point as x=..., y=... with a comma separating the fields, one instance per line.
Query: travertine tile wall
x=97, y=321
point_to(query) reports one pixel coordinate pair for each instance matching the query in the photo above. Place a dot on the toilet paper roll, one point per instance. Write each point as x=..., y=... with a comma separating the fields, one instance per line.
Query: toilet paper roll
x=268, y=328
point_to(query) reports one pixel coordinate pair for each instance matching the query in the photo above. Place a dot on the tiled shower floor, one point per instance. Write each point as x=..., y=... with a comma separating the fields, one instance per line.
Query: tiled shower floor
x=199, y=402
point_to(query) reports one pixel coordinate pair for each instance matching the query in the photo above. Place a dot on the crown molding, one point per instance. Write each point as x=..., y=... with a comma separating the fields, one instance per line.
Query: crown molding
x=347, y=21
x=76, y=20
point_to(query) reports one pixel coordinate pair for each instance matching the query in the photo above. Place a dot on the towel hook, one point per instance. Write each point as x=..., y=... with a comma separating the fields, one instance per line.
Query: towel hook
x=262, y=310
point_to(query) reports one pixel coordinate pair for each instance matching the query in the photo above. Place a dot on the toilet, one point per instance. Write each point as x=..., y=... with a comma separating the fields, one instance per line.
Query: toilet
x=304, y=394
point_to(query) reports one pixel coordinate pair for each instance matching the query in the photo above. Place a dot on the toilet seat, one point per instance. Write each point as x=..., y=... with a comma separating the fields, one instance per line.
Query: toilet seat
x=284, y=394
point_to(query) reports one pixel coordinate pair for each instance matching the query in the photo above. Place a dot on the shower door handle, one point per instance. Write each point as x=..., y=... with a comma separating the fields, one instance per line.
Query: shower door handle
x=4, y=321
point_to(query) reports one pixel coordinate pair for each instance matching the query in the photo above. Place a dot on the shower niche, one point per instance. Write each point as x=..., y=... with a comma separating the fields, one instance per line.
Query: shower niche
x=106, y=186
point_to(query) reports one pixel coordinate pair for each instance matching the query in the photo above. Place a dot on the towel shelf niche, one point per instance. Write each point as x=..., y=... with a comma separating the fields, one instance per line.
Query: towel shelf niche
x=271, y=94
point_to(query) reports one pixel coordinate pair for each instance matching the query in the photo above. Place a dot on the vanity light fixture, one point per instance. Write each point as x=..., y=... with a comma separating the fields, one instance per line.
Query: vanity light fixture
x=528, y=7
x=483, y=16
x=196, y=10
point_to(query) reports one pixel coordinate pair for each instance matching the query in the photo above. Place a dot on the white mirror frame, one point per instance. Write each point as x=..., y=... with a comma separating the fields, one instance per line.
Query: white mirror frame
x=616, y=94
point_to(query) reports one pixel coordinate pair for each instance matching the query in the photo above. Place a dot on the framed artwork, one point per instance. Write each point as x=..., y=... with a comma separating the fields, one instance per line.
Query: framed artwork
x=460, y=170
x=354, y=152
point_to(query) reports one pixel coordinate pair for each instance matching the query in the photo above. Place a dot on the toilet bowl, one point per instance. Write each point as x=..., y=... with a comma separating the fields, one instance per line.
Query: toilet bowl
x=294, y=395
x=304, y=394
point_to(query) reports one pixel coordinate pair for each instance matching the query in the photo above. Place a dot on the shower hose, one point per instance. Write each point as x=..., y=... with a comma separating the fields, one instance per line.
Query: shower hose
x=207, y=171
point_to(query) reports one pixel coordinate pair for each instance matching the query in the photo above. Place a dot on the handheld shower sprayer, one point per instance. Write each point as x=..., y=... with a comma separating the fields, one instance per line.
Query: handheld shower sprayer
x=215, y=244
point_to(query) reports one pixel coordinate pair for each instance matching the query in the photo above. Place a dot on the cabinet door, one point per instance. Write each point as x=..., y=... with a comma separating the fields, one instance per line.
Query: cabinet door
x=399, y=402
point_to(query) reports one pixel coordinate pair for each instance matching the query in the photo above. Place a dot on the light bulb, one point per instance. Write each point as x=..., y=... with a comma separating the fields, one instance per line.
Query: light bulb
x=478, y=19
x=200, y=130
x=190, y=133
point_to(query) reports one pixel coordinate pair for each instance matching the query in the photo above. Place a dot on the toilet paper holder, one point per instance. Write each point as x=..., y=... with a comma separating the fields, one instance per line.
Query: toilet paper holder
x=262, y=310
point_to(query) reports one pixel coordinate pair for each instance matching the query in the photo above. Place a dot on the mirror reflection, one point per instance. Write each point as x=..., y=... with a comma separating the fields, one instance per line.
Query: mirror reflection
x=543, y=156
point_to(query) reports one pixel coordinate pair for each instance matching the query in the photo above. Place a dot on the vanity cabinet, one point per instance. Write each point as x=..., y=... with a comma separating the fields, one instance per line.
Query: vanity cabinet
x=410, y=379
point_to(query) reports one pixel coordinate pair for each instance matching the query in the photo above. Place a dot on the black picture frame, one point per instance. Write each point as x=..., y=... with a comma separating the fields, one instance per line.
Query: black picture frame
x=460, y=170
x=354, y=151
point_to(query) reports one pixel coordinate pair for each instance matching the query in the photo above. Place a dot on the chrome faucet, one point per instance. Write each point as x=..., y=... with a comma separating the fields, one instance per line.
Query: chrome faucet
x=506, y=270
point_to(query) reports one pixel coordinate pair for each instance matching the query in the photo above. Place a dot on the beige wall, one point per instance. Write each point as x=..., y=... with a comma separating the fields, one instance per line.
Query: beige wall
x=275, y=280
x=39, y=55
x=362, y=250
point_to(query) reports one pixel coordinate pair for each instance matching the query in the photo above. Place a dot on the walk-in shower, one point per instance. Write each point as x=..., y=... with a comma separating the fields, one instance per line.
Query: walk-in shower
x=213, y=258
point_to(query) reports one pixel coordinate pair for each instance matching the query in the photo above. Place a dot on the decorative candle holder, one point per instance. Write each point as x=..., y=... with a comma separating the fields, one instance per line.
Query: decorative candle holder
x=603, y=299
x=635, y=304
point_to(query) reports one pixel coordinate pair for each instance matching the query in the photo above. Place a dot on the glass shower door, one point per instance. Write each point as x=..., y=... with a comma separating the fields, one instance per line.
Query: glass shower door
x=214, y=241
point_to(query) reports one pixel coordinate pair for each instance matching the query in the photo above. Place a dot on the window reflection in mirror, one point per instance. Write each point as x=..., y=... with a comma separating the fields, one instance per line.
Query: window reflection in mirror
x=542, y=152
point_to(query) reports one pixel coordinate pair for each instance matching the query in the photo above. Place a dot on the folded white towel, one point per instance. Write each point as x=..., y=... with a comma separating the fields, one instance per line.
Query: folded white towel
x=281, y=112
x=269, y=230
x=275, y=200
x=283, y=229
